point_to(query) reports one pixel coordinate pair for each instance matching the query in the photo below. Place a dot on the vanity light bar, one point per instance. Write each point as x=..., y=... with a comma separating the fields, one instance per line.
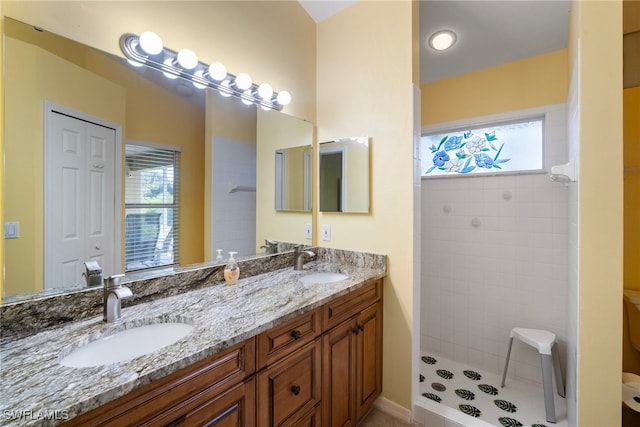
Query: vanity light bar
x=185, y=65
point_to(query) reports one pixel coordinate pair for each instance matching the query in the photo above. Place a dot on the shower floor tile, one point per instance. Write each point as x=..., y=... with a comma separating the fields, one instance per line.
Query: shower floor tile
x=451, y=388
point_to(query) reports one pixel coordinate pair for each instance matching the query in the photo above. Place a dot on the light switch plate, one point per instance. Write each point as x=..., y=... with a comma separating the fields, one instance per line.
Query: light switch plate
x=326, y=232
x=11, y=230
x=307, y=231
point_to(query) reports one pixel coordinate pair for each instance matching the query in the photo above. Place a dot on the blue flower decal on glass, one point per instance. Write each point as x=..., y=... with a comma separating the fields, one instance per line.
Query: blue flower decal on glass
x=440, y=158
x=483, y=161
x=453, y=143
x=454, y=153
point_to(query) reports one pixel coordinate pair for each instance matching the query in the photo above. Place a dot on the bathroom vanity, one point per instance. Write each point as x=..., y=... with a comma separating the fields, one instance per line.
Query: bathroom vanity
x=273, y=350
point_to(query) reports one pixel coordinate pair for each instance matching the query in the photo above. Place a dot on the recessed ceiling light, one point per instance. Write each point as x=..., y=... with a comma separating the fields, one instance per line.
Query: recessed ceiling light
x=442, y=40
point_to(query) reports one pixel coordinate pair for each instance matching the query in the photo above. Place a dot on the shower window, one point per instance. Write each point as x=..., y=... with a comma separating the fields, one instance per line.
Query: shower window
x=505, y=147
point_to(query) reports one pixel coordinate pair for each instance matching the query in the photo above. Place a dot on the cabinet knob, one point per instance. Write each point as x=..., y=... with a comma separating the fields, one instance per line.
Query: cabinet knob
x=355, y=330
x=361, y=328
x=295, y=390
x=296, y=334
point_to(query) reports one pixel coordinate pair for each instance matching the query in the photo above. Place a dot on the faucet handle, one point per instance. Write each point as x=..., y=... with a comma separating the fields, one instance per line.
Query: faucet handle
x=113, y=281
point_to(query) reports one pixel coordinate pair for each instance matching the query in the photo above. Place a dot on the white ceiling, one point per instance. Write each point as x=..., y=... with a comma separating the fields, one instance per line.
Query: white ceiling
x=489, y=32
x=322, y=9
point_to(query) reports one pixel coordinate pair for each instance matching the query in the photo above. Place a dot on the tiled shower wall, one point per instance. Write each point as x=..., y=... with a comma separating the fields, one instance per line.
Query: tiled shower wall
x=494, y=257
x=234, y=214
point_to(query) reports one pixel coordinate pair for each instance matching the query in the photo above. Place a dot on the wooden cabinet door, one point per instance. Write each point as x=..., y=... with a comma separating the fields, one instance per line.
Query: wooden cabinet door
x=290, y=387
x=234, y=408
x=338, y=359
x=368, y=358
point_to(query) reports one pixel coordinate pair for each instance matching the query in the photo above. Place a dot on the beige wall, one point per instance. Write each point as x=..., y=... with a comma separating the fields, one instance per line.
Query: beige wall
x=596, y=40
x=375, y=99
x=519, y=85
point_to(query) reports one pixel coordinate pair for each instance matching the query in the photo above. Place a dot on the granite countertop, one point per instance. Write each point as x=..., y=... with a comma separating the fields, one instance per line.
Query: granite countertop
x=32, y=380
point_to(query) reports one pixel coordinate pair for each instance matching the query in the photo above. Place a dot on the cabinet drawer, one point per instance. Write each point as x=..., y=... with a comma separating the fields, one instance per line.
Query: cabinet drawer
x=282, y=340
x=291, y=387
x=233, y=408
x=173, y=394
x=351, y=304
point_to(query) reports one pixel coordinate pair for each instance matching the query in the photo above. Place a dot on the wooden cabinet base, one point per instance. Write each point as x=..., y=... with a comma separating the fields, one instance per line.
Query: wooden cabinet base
x=322, y=368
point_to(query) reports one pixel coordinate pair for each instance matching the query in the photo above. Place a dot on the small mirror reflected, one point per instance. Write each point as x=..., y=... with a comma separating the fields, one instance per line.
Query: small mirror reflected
x=344, y=175
x=293, y=179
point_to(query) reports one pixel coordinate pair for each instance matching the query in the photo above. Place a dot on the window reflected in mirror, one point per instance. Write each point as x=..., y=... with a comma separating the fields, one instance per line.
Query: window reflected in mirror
x=151, y=207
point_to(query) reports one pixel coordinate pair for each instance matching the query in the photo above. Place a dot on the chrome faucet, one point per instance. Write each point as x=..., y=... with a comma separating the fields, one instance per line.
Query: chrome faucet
x=271, y=246
x=299, y=255
x=113, y=293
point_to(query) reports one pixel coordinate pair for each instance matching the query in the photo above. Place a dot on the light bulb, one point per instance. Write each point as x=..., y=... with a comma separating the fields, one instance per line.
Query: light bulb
x=151, y=43
x=265, y=91
x=187, y=59
x=217, y=71
x=243, y=81
x=169, y=62
x=284, y=98
x=225, y=89
x=247, y=97
x=442, y=40
x=199, y=73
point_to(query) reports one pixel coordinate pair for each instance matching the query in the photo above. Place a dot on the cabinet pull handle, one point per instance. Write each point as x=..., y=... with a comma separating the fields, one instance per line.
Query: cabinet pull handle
x=296, y=334
x=361, y=328
x=295, y=390
x=355, y=330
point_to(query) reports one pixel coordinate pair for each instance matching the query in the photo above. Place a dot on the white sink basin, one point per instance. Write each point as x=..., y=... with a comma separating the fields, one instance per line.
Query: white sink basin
x=126, y=345
x=322, y=278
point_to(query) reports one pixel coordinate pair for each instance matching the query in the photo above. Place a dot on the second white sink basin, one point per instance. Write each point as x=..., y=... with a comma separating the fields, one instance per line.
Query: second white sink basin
x=322, y=277
x=127, y=344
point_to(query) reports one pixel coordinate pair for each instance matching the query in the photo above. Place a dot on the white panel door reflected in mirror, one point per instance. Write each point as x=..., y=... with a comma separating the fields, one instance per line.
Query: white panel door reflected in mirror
x=344, y=175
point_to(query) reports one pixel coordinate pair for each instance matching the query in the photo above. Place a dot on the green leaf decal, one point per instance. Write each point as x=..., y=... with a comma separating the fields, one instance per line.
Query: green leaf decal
x=443, y=373
x=505, y=406
x=538, y=425
x=432, y=396
x=470, y=410
x=429, y=360
x=509, y=422
x=473, y=375
x=489, y=389
x=465, y=394
x=498, y=153
x=421, y=378
x=442, y=141
x=491, y=136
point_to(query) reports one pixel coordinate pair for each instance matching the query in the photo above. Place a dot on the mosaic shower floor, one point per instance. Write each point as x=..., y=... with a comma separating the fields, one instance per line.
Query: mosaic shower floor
x=451, y=389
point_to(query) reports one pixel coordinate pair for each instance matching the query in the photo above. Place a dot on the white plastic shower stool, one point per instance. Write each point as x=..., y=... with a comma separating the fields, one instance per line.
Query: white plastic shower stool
x=545, y=343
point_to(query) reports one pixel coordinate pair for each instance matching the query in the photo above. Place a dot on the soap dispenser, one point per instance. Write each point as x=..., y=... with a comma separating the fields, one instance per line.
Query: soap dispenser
x=231, y=270
x=219, y=256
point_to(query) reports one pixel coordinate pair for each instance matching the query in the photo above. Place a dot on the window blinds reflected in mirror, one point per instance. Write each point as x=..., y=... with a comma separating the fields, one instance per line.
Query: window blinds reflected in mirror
x=152, y=221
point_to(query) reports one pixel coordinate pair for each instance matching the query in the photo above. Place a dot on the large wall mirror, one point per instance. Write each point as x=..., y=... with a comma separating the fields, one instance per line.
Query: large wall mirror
x=344, y=175
x=177, y=166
